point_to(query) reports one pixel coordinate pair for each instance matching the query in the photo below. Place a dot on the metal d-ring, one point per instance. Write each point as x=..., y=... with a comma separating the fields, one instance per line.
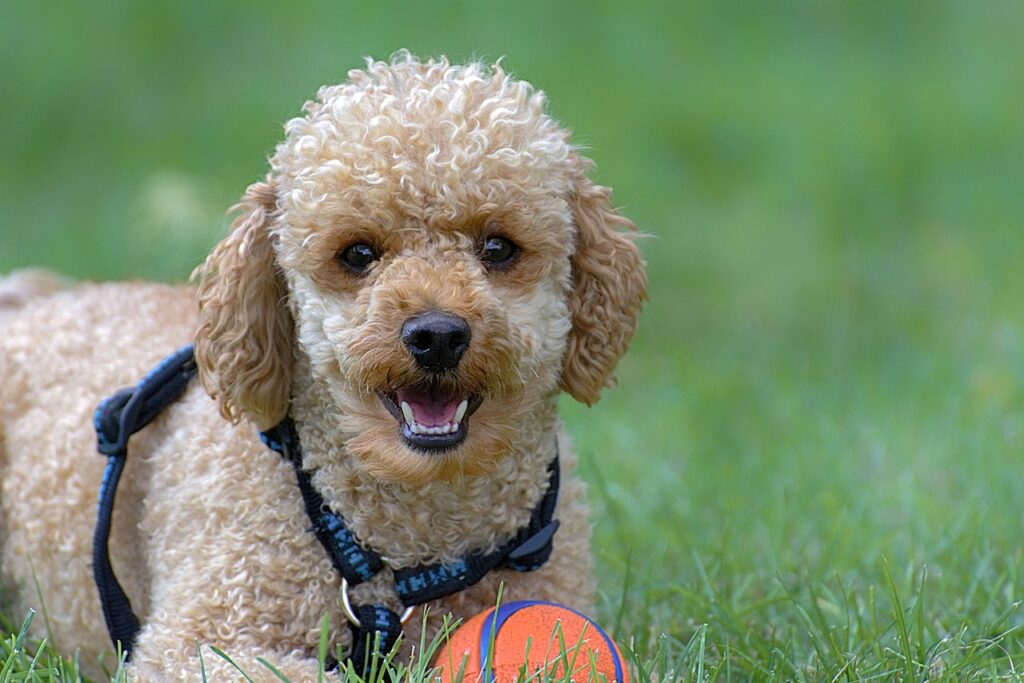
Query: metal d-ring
x=346, y=607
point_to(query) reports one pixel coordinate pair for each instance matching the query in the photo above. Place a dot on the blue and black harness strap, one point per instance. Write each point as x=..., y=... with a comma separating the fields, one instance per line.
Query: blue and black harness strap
x=116, y=419
x=376, y=628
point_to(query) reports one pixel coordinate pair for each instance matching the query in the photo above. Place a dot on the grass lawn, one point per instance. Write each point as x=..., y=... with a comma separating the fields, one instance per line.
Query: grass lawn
x=811, y=469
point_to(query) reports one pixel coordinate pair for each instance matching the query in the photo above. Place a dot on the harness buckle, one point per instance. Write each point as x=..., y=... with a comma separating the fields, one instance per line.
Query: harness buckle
x=132, y=408
x=536, y=542
x=111, y=435
x=346, y=607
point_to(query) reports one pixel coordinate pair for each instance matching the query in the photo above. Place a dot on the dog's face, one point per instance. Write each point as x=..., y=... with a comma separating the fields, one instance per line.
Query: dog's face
x=447, y=267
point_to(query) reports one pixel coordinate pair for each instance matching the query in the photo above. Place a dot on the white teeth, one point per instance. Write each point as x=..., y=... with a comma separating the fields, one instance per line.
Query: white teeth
x=417, y=428
x=449, y=428
x=460, y=412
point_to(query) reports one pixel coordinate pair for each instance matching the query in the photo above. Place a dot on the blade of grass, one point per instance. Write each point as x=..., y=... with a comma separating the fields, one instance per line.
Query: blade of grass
x=902, y=634
x=223, y=655
x=202, y=664
x=273, y=669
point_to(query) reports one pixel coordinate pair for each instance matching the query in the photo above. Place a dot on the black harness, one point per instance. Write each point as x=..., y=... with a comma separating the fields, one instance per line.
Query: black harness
x=375, y=628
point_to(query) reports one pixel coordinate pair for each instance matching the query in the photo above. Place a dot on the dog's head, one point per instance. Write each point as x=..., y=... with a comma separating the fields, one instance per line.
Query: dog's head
x=428, y=237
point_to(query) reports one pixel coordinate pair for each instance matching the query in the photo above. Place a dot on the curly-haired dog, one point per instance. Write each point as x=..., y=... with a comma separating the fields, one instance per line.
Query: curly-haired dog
x=425, y=268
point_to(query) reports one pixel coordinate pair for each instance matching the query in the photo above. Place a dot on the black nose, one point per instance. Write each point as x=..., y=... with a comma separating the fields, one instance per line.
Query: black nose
x=436, y=340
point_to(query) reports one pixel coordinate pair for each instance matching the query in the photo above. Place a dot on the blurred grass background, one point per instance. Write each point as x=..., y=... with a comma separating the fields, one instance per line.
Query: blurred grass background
x=830, y=368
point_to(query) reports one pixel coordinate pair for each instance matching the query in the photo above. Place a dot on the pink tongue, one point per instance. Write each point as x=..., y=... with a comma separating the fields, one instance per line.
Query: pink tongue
x=430, y=410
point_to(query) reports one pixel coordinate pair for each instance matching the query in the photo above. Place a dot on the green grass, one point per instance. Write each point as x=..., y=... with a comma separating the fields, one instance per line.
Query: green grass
x=811, y=469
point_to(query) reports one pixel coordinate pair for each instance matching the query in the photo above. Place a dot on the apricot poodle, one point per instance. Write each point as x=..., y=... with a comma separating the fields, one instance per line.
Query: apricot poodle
x=422, y=272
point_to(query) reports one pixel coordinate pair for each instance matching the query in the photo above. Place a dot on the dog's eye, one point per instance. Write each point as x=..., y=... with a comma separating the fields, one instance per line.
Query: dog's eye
x=498, y=252
x=359, y=256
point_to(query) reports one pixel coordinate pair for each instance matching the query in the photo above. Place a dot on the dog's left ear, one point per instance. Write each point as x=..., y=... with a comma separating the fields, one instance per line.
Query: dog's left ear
x=609, y=287
x=243, y=345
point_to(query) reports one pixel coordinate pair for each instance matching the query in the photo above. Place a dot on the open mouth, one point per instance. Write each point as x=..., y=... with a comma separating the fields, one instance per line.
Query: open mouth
x=430, y=419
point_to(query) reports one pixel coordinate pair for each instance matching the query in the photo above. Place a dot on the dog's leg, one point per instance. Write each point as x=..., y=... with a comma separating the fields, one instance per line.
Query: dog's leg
x=246, y=622
x=230, y=560
x=261, y=610
x=174, y=660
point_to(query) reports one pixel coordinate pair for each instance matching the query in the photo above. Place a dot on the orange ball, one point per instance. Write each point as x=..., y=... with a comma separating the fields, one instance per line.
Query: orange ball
x=531, y=636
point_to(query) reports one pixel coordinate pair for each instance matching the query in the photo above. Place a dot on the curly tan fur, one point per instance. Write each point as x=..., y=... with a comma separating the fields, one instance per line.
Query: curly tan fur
x=424, y=161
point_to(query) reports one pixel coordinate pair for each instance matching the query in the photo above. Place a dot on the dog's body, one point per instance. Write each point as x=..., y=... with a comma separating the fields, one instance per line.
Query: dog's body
x=415, y=189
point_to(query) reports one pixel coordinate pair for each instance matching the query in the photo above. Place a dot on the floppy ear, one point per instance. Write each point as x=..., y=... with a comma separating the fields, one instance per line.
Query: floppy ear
x=243, y=345
x=609, y=286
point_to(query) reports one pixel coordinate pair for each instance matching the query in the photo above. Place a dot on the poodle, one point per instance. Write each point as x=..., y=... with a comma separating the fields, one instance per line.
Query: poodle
x=422, y=272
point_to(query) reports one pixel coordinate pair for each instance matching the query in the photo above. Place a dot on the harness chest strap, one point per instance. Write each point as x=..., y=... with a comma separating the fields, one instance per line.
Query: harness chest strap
x=375, y=627
x=527, y=551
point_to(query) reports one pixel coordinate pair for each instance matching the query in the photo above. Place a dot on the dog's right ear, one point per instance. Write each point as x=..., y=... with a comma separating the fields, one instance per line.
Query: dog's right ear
x=243, y=345
x=609, y=287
